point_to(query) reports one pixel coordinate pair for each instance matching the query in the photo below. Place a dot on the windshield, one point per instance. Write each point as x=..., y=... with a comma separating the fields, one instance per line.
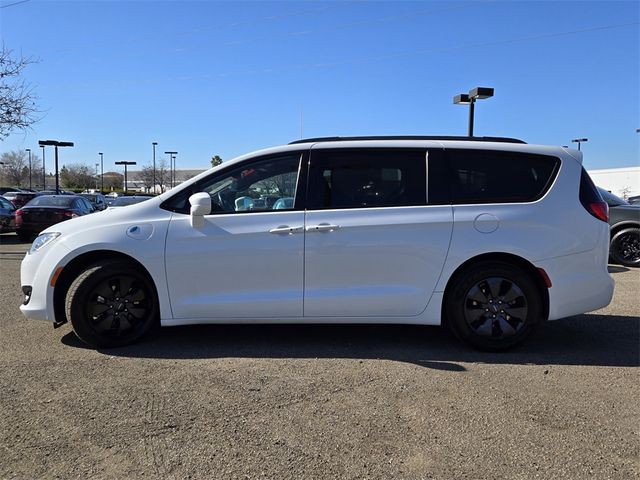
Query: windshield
x=611, y=199
x=4, y=203
x=52, y=201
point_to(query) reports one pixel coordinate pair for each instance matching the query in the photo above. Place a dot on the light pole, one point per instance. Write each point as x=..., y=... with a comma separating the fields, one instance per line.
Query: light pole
x=97, y=164
x=478, y=93
x=172, y=167
x=29, y=150
x=579, y=141
x=154, y=165
x=101, y=173
x=56, y=144
x=125, y=163
x=44, y=172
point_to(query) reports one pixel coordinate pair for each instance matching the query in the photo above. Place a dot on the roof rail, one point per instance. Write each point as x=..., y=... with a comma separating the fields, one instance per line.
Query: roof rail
x=408, y=137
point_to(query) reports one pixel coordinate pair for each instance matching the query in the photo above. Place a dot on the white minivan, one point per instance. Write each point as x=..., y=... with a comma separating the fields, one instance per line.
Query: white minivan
x=489, y=236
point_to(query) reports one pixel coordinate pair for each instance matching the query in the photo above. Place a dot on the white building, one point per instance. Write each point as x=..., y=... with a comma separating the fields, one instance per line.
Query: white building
x=624, y=182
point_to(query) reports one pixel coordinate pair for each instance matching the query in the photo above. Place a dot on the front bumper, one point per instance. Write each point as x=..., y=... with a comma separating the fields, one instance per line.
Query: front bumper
x=36, y=272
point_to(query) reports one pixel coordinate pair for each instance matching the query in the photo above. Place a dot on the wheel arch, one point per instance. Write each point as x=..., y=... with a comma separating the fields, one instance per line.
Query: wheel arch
x=622, y=226
x=500, y=257
x=72, y=269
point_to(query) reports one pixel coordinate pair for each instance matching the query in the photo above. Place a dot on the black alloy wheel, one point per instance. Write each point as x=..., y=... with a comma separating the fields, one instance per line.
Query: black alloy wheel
x=111, y=304
x=493, y=305
x=625, y=247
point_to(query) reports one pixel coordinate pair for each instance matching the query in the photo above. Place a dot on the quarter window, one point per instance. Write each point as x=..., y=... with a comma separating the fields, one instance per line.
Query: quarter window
x=484, y=176
x=366, y=178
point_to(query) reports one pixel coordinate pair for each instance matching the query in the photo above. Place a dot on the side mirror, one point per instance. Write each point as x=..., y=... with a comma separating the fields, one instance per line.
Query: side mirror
x=200, y=206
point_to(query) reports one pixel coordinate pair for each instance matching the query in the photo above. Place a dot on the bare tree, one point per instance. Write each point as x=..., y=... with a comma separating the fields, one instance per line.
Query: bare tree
x=146, y=177
x=162, y=174
x=36, y=172
x=77, y=175
x=113, y=181
x=15, y=168
x=626, y=192
x=283, y=185
x=17, y=100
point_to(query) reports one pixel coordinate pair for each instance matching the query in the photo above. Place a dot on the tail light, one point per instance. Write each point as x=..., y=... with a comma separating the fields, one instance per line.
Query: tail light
x=591, y=200
x=599, y=210
x=18, y=217
x=70, y=214
x=19, y=213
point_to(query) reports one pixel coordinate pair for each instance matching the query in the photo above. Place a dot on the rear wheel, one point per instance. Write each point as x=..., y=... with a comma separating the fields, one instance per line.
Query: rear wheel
x=493, y=306
x=111, y=304
x=625, y=247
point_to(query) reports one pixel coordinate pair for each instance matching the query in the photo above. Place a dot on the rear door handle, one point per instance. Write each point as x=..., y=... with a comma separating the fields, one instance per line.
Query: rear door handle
x=323, y=227
x=282, y=229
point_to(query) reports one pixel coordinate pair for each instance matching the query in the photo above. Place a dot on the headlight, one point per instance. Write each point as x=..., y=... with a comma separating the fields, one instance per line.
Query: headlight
x=43, y=240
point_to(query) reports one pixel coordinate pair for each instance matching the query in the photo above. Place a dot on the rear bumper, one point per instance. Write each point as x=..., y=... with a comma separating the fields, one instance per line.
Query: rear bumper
x=581, y=283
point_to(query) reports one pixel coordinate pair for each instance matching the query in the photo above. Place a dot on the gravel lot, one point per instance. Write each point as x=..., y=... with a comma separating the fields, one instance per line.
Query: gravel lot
x=280, y=402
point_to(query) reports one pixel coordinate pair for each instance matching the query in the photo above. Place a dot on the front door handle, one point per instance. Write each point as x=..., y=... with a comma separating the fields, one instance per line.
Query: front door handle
x=323, y=227
x=286, y=229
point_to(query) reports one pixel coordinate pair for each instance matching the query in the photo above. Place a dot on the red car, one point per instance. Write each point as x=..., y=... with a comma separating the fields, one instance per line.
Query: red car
x=46, y=210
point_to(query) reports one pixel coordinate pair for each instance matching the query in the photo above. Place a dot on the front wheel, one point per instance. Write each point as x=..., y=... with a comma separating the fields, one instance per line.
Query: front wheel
x=111, y=304
x=493, y=306
x=625, y=247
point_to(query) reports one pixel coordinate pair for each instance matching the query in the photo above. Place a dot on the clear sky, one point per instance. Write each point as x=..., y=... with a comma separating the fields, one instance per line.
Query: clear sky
x=226, y=78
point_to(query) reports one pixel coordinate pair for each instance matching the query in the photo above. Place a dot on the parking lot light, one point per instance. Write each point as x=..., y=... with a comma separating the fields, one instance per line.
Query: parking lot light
x=44, y=171
x=154, y=165
x=101, y=173
x=579, y=141
x=125, y=163
x=172, y=167
x=477, y=93
x=56, y=144
x=29, y=150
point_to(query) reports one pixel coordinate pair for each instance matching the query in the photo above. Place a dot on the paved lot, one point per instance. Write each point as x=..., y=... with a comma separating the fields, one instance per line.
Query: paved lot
x=298, y=402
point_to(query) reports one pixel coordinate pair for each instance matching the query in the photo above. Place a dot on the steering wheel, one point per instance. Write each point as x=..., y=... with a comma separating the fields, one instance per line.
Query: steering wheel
x=223, y=203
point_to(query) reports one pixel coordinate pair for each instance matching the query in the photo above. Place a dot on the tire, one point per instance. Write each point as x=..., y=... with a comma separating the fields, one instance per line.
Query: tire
x=625, y=247
x=493, y=306
x=111, y=304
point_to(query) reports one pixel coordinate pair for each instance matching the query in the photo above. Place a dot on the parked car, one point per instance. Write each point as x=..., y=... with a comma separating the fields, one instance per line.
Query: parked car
x=490, y=236
x=20, y=198
x=4, y=190
x=7, y=216
x=46, y=210
x=624, y=219
x=634, y=200
x=97, y=200
x=128, y=200
x=53, y=192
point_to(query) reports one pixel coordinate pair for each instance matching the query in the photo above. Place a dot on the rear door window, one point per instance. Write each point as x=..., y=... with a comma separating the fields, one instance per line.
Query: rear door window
x=346, y=178
x=486, y=176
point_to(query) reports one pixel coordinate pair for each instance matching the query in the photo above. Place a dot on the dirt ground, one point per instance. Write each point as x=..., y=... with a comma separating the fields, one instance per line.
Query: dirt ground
x=298, y=402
